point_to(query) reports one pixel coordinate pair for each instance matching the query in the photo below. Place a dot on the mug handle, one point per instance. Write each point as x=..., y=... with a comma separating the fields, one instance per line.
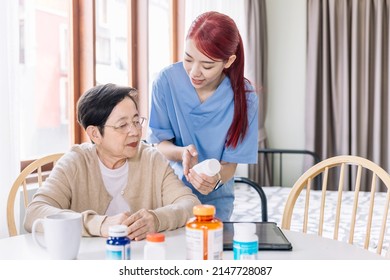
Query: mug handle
x=34, y=237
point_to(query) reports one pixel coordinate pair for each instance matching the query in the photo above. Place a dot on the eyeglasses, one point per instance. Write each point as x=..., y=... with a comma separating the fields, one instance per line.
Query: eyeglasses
x=125, y=128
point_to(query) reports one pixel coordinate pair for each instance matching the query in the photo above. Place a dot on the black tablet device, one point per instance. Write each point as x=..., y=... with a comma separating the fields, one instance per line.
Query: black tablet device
x=270, y=236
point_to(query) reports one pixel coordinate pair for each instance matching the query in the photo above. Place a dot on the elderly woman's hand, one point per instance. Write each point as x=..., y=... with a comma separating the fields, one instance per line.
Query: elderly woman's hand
x=140, y=224
x=112, y=221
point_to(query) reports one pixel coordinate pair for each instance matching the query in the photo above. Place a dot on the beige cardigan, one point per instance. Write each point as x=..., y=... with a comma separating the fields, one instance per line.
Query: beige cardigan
x=76, y=184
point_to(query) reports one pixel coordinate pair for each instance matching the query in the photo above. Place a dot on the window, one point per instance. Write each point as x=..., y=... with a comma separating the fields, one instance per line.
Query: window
x=111, y=42
x=159, y=42
x=43, y=68
x=53, y=56
x=129, y=48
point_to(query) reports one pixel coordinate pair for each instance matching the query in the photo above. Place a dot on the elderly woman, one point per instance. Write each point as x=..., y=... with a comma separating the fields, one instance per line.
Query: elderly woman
x=116, y=179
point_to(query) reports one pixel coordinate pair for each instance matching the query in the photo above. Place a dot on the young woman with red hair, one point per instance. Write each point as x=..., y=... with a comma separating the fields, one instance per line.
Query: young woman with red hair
x=205, y=108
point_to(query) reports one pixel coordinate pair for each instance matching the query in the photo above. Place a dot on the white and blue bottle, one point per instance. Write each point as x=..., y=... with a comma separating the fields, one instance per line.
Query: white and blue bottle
x=245, y=241
x=118, y=244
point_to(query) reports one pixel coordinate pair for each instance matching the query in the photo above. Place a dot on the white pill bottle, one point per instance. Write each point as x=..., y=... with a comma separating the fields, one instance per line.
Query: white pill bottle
x=155, y=247
x=210, y=167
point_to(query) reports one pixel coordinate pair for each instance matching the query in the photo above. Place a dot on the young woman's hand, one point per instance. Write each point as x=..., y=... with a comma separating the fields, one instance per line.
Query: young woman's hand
x=203, y=183
x=189, y=159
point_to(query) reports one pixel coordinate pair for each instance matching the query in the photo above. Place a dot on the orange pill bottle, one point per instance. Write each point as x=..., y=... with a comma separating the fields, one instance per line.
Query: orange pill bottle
x=204, y=234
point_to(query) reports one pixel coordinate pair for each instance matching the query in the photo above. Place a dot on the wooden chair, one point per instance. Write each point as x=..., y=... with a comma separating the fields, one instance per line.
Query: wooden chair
x=20, y=183
x=346, y=168
x=259, y=190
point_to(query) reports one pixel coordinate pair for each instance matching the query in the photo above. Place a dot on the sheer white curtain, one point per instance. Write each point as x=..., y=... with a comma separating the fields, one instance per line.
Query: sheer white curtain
x=9, y=156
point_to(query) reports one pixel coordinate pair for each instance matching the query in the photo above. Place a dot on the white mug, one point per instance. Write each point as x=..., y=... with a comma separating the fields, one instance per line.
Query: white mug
x=62, y=235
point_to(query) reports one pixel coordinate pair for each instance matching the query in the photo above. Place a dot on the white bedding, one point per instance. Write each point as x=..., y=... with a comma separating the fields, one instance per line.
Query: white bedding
x=247, y=208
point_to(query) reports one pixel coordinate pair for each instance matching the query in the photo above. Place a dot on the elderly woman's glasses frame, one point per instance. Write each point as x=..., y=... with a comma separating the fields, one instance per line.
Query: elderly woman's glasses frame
x=126, y=127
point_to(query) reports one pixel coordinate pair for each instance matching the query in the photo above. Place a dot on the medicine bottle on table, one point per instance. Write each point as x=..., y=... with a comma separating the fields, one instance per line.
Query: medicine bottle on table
x=245, y=241
x=118, y=244
x=155, y=248
x=204, y=234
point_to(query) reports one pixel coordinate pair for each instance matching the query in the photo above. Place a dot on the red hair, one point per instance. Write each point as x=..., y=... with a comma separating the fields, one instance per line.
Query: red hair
x=216, y=35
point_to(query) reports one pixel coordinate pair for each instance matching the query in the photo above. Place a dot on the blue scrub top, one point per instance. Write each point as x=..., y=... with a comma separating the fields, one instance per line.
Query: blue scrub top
x=177, y=113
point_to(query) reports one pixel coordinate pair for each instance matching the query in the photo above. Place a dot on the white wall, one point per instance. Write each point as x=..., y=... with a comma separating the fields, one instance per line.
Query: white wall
x=286, y=21
x=286, y=73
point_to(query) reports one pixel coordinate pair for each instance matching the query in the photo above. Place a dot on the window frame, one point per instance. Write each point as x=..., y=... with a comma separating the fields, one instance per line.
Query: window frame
x=82, y=54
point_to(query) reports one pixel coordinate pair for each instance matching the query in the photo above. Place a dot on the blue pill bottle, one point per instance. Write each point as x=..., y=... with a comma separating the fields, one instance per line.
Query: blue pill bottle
x=118, y=244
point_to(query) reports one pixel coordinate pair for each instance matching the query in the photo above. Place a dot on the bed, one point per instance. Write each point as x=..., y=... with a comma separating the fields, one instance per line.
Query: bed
x=247, y=208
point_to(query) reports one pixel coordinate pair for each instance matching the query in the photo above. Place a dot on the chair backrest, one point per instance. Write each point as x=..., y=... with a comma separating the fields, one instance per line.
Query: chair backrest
x=263, y=198
x=21, y=183
x=272, y=162
x=353, y=169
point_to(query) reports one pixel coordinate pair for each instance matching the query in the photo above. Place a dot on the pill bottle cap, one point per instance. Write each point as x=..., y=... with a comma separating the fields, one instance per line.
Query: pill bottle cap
x=117, y=231
x=244, y=229
x=155, y=237
x=204, y=210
